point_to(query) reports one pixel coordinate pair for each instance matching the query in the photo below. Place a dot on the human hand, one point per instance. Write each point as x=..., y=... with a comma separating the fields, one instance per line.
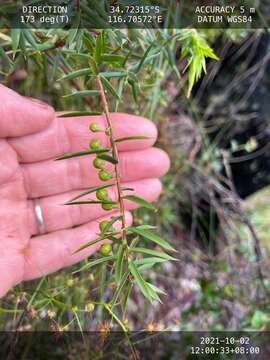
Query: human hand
x=31, y=137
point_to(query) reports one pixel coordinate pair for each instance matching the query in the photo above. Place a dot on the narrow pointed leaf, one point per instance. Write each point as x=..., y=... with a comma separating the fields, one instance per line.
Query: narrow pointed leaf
x=6, y=58
x=119, y=263
x=99, y=47
x=89, y=202
x=127, y=294
x=146, y=227
x=73, y=53
x=109, y=87
x=83, y=93
x=94, y=263
x=144, y=267
x=131, y=138
x=79, y=113
x=29, y=37
x=147, y=234
x=112, y=58
x=149, y=260
x=111, y=74
x=115, y=317
x=81, y=153
x=127, y=188
x=139, y=280
x=75, y=74
x=151, y=252
x=58, y=303
x=72, y=33
x=140, y=64
x=89, y=243
x=88, y=41
x=93, y=65
x=120, y=89
x=122, y=281
x=139, y=201
x=134, y=241
x=108, y=158
x=15, y=36
x=92, y=242
x=134, y=89
x=156, y=289
x=91, y=190
x=153, y=292
x=113, y=238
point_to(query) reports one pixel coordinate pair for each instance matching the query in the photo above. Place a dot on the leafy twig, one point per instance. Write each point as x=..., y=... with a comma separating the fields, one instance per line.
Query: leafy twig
x=116, y=169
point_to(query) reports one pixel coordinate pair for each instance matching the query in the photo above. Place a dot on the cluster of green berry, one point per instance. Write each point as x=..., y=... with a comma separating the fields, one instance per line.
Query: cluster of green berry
x=99, y=163
x=104, y=175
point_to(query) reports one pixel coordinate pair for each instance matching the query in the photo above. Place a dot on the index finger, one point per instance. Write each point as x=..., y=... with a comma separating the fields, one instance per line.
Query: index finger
x=73, y=134
x=20, y=115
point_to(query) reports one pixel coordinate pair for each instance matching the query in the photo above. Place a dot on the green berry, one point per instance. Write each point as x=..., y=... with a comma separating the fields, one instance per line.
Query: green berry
x=102, y=194
x=94, y=127
x=105, y=249
x=98, y=163
x=103, y=224
x=104, y=175
x=95, y=144
x=107, y=207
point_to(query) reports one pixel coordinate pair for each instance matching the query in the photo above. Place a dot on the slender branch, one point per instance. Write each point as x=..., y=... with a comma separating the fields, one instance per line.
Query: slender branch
x=116, y=169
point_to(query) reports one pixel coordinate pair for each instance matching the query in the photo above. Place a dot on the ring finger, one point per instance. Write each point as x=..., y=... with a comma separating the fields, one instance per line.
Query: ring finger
x=57, y=216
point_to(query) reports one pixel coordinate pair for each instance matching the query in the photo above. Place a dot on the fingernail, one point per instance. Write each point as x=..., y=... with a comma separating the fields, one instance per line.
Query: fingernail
x=37, y=102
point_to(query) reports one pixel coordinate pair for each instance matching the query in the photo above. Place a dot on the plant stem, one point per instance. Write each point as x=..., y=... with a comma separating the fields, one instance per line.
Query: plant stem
x=116, y=169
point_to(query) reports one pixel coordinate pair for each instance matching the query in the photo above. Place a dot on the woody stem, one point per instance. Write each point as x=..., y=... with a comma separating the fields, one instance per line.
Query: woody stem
x=116, y=168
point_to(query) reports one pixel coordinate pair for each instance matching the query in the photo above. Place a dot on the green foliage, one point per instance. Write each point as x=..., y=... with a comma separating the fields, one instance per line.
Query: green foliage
x=149, y=235
x=81, y=153
x=197, y=48
x=123, y=63
x=138, y=66
x=83, y=93
x=102, y=69
x=259, y=320
x=139, y=201
x=126, y=261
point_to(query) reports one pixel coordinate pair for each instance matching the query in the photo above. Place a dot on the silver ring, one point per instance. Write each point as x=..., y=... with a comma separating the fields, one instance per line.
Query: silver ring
x=40, y=221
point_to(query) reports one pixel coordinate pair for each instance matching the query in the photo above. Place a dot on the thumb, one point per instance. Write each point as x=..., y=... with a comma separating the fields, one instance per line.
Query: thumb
x=20, y=115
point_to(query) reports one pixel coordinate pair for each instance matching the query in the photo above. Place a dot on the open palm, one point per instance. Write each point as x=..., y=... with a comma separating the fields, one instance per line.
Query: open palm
x=31, y=137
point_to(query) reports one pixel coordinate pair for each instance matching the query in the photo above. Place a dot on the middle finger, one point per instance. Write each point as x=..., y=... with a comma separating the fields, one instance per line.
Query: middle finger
x=57, y=216
x=53, y=177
